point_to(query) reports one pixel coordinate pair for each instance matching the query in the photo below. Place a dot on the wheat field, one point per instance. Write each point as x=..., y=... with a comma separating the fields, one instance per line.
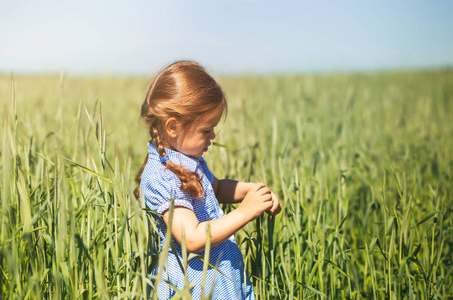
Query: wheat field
x=361, y=162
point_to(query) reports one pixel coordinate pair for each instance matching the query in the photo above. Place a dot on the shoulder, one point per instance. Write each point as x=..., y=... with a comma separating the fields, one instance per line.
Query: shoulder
x=155, y=172
x=159, y=185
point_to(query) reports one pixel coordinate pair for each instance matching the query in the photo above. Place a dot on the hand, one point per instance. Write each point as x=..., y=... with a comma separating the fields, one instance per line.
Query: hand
x=257, y=201
x=276, y=205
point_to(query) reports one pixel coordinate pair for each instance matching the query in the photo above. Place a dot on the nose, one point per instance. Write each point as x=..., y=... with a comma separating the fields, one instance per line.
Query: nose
x=212, y=135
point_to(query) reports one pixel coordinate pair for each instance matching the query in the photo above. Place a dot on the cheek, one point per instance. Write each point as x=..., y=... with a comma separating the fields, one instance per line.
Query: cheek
x=200, y=140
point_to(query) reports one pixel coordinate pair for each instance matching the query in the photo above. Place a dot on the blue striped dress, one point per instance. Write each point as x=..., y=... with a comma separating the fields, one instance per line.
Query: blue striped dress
x=158, y=186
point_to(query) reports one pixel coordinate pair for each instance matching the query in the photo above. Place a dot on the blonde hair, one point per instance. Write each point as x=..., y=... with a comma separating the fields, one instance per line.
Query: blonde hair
x=186, y=92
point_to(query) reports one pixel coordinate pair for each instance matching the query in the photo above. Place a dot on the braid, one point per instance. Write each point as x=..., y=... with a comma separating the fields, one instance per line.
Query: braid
x=190, y=181
x=158, y=141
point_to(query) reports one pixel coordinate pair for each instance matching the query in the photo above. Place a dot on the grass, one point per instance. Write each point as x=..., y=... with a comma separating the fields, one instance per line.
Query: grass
x=362, y=163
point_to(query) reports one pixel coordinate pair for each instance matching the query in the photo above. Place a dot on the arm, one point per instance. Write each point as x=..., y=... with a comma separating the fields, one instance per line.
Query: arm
x=230, y=191
x=257, y=200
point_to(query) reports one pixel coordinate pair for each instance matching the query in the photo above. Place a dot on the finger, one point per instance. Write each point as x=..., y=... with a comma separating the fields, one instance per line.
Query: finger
x=274, y=205
x=267, y=205
x=277, y=206
x=266, y=195
x=265, y=190
x=277, y=210
x=258, y=186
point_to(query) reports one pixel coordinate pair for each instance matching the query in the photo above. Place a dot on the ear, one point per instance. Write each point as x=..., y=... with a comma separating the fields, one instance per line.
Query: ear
x=171, y=127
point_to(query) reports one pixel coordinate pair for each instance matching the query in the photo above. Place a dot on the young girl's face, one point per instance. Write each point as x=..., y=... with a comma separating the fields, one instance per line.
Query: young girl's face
x=197, y=138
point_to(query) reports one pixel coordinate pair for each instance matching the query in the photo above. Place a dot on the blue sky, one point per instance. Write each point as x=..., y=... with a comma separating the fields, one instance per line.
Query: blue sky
x=228, y=37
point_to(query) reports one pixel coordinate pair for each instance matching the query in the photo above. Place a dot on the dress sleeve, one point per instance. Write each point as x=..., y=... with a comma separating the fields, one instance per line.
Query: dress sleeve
x=159, y=190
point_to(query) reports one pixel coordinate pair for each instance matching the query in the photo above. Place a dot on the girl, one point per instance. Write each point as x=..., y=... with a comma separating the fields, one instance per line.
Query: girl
x=183, y=106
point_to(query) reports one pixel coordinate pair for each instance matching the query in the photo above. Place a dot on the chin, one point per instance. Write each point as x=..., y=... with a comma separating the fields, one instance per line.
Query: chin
x=196, y=156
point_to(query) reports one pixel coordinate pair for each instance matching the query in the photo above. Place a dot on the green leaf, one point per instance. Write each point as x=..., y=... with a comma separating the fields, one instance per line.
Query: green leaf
x=88, y=170
x=337, y=268
x=427, y=217
x=390, y=225
x=312, y=289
